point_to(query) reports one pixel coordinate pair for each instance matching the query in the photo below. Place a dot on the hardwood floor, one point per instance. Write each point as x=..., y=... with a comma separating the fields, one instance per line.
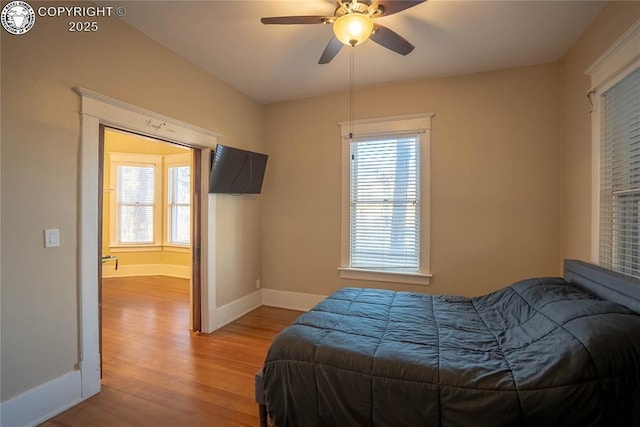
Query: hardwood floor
x=158, y=373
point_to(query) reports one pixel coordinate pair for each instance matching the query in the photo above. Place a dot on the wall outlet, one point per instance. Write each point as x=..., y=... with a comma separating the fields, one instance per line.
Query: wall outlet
x=258, y=284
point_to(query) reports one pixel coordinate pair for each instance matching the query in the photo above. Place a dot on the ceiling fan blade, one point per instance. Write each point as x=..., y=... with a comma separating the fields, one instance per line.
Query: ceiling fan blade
x=330, y=51
x=389, y=7
x=391, y=40
x=288, y=20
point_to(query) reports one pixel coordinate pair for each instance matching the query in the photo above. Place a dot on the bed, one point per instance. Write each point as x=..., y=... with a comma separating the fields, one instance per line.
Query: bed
x=543, y=351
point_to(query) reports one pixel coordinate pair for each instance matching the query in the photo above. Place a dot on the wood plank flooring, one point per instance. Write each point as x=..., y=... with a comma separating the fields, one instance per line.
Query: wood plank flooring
x=158, y=373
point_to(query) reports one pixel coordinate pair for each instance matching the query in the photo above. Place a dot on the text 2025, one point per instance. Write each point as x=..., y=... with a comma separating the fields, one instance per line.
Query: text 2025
x=84, y=27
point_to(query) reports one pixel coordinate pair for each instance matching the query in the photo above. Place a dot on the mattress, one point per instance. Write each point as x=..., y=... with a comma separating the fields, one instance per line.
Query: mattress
x=539, y=352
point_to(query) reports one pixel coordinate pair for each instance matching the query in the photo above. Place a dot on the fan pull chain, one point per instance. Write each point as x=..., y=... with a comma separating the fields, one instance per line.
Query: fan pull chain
x=351, y=91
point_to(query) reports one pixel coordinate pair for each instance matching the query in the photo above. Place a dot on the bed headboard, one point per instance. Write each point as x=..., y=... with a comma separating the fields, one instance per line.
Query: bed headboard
x=604, y=283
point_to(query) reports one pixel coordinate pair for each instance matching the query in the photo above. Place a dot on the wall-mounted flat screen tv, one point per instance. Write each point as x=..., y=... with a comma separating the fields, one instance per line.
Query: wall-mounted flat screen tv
x=236, y=171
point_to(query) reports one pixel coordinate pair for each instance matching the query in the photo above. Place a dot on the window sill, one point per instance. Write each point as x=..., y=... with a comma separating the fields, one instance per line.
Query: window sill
x=385, y=276
x=135, y=248
x=169, y=247
x=150, y=248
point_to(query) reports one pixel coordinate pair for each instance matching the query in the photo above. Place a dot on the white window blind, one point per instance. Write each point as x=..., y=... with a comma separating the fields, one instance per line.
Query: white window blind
x=179, y=208
x=619, y=247
x=136, y=196
x=385, y=203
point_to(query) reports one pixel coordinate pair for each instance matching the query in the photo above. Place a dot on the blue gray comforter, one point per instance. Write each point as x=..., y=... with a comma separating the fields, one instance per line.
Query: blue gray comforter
x=539, y=352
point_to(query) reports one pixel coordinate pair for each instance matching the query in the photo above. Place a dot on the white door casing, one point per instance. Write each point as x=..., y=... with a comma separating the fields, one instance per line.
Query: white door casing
x=96, y=110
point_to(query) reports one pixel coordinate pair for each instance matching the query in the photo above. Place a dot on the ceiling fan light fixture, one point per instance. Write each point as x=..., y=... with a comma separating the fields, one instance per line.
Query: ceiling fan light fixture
x=353, y=28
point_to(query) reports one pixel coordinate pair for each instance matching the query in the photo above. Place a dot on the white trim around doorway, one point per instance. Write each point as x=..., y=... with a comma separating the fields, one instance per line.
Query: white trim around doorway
x=97, y=110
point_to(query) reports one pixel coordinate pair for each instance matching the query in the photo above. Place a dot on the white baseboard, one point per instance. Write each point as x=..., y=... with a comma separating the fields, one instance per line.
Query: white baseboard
x=182, y=271
x=290, y=300
x=42, y=402
x=229, y=312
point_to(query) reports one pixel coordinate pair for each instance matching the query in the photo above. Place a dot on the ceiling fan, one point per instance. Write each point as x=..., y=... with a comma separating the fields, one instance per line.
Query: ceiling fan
x=353, y=24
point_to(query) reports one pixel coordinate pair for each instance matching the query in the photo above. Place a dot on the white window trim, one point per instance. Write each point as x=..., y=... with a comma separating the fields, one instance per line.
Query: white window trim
x=135, y=248
x=617, y=62
x=161, y=232
x=170, y=247
x=173, y=160
x=385, y=276
x=132, y=159
x=419, y=123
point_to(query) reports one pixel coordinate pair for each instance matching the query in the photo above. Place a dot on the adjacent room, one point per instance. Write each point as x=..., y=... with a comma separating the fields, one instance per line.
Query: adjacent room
x=444, y=148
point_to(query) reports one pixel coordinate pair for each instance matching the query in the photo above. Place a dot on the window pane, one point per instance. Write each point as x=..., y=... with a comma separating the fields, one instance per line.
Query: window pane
x=136, y=184
x=136, y=224
x=627, y=237
x=179, y=205
x=179, y=179
x=620, y=176
x=384, y=204
x=180, y=225
x=136, y=188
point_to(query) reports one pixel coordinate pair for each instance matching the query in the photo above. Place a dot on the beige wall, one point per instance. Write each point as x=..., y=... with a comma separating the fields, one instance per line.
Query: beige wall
x=495, y=181
x=611, y=23
x=40, y=144
x=510, y=191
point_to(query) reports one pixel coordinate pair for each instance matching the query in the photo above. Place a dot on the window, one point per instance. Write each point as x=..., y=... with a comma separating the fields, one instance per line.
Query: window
x=178, y=200
x=620, y=176
x=145, y=195
x=384, y=206
x=385, y=200
x=615, y=132
x=136, y=200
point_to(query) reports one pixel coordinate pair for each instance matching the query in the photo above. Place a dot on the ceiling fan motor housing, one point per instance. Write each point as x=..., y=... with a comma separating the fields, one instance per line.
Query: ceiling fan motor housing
x=345, y=8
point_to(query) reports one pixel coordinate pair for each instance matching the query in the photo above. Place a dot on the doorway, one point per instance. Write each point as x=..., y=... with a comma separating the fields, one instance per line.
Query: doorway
x=96, y=111
x=149, y=215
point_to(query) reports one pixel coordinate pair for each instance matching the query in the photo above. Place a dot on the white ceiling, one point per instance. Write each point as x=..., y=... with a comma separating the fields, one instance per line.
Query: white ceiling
x=272, y=63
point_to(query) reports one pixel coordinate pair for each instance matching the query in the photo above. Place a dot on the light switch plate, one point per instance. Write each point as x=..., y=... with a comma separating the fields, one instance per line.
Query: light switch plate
x=51, y=238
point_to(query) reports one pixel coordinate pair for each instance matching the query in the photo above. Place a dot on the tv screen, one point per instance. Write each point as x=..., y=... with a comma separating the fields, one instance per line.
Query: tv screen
x=236, y=171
